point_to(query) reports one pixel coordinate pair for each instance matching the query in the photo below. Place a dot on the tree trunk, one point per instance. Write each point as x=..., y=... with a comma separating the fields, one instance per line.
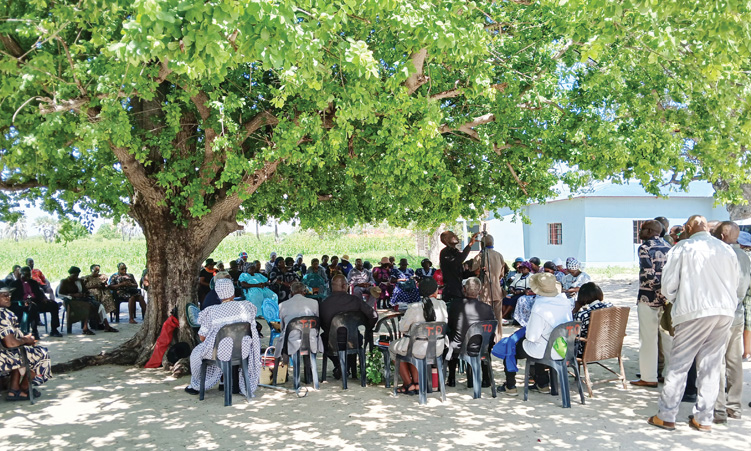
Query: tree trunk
x=737, y=211
x=258, y=235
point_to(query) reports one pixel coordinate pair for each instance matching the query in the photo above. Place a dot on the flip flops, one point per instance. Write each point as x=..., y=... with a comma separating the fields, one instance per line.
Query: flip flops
x=16, y=395
x=656, y=421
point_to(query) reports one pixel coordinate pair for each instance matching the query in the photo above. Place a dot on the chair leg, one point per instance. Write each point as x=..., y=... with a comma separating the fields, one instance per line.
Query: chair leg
x=623, y=372
x=275, y=371
x=588, y=381
x=564, y=387
x=227, y=372
x=526, y=379
x=296, y=370
x=386, y=368
x=246, y=378
x=441, y=378
x=578, y=381
x=422, y=380
x=396, y=372
x=30, y=379
x=202, y=387
x=314, y=369
x=476, y=370
x=323, y=367
x=343, y=366
x=363, y=365
x=492, y=378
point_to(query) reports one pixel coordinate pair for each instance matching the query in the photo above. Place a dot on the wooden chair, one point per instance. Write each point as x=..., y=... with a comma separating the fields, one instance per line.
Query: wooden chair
x=604, y=341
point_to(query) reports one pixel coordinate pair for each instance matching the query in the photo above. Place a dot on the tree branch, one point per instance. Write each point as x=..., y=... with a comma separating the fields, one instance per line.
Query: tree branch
x=11, y=45
x=164, y=71
x=418, y=78
x=200, y=100
x=450, y=94
x=563, y=50
x=468, y=127
x=7, y=185
x=259, y=120
x=136, y=175
x=81, y=89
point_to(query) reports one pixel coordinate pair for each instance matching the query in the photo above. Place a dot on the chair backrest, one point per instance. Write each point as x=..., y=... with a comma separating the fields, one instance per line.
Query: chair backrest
x=304, y=324
x=569, y=331
x=390, y=322
x=430, y=332
x=607, y=327
x=235, y=331
x=270, y=310
x=351, y=321
x=482, y=331
x=191, y=314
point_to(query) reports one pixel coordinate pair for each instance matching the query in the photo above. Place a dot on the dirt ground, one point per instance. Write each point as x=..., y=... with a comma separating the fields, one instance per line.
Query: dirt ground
x=117, y=407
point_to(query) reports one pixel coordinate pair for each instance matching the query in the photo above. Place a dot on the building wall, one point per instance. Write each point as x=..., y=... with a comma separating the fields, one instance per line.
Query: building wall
x=508, y=235
x=571, y=214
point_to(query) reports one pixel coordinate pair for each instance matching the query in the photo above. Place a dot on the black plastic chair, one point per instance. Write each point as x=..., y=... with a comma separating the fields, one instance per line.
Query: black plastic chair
x=25, y=359
x=390, y=323
x=485, y=331
x=431, y=333
x=75, y=309
x=304, y=324
x=569, y=331
x=351, y=321
x=235, y=331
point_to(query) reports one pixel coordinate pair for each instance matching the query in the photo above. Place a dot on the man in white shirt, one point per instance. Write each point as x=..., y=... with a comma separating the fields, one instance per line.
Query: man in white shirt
x=295, y=307
x=701, y=278
x=551, y=308
x=729, y=405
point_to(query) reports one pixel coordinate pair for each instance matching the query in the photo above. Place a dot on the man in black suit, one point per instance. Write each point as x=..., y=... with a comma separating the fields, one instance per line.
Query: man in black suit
x=339, y=302
x=461, y=315
x=28, y=296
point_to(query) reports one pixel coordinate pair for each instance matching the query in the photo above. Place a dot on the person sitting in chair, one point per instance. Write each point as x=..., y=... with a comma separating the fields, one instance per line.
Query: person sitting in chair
x=461, y=315
x=125, y=289
x=589, y=299
x=10, y=359
x=296, y=306
x=27, y=291
x=339, y=302
x=550, y=309
x=211, y=320
x=73, y=286
x=428, y=309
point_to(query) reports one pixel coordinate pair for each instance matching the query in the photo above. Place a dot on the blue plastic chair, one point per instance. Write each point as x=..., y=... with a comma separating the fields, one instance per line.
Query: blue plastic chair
x=485, y=331
x=270, y=310
x=235, y=331
x=304, y=324
x=431, y=333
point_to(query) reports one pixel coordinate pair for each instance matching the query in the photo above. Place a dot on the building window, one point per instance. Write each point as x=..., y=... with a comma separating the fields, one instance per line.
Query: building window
x=555, y=233
x=637, y=228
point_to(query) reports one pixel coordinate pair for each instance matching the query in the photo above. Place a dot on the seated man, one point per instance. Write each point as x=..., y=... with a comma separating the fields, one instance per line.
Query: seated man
x=73, y=286
x=27, y=291
x=296, y=306
x=461, y=315
x=339, y=302
x=211, y=320
x=10, y=359
x=550, y=309
x=44, y=284
x=360, y=280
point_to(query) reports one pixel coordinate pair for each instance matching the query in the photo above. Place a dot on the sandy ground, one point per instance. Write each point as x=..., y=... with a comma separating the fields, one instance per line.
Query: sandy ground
x=125, y=407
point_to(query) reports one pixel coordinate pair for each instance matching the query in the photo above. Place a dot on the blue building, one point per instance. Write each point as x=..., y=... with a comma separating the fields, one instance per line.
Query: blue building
x=599, y=226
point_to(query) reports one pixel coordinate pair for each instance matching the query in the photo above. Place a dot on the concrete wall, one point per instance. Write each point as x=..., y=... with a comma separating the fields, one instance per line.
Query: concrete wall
x=508, y=235
x=571, y=214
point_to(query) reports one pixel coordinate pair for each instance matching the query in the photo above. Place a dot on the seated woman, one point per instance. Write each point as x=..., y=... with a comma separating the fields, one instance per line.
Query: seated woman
x=74, y=287
x=589, y=300
x=96, y=284
x=425, y=270
x=518, y=286
x=575, y=277
x=405, y=290
x=427, y=310
x=211, y=320
x=281, y=278
x=382, y=278
x=125, y=289
x=10, y=359
x=255, y=287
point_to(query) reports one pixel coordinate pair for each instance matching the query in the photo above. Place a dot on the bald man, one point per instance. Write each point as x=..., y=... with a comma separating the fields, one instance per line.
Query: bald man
x=491, y=262
x=700, y=278
x=650, y=303
x=451, y=265
x=729, y=404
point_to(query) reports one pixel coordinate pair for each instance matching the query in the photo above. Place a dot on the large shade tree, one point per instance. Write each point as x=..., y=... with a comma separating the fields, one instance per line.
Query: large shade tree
x=189, y=115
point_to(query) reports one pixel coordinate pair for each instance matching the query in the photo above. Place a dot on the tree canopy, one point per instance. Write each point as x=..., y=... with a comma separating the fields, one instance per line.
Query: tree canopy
x=343, y=111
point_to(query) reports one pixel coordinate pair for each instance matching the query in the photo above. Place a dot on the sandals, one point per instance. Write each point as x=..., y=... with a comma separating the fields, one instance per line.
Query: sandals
x=88, y=332
x=111, y=329
x=656, y=421
x=17, y=395
x=404, y=390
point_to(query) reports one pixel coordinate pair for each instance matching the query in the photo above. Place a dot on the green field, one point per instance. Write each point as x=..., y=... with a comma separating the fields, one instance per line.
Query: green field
x=54, y=259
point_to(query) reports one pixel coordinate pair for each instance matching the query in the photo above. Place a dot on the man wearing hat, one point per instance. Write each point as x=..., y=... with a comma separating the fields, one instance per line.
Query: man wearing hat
x=211, y=320
x=28, y=295
x=345, y=266
x=550, y=309
x=491, y=265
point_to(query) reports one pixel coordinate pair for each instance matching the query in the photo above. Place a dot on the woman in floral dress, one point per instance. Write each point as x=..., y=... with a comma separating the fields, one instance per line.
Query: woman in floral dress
x=96, y=283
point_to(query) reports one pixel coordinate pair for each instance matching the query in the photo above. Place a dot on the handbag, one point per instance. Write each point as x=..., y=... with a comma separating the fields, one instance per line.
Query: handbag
x=408, y=286
x=267, y=369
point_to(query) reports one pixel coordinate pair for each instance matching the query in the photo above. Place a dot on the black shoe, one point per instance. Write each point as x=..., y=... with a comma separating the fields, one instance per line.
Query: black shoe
x=191, y=391
x=111, y=329
x=451, y=382
x=337, y=373
x=55, y=333
x=689, y=398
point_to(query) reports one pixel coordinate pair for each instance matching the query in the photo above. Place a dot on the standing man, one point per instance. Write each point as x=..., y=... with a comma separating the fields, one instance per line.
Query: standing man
x=451, y=265
x=490, y=263
x=650, y=303
x=701, y=278
x=729, y=405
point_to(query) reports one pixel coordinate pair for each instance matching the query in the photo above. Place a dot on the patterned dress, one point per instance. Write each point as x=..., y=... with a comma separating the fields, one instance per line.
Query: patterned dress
x=584, y=315
x=382, y=276
x=124, y=294
x=652, y=257
x=102, y=295
x=404, y=292
x=10, y=359
x=211, y=320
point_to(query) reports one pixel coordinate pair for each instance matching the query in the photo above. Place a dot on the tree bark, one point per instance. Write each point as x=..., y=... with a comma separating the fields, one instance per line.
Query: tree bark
x=737, y=211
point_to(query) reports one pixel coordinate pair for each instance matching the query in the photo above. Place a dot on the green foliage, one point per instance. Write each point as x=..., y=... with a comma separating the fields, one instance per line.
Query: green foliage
x=70, y=230
x=108, y=231
x=374, y=371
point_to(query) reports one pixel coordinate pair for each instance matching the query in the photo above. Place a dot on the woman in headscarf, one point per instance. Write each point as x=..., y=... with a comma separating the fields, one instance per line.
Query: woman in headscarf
x=10, y=359
x=255, y=287
x=271, y=263
x=518, y=286
x=299, y=267
x=426, y=270
x=575, y=278
x=427, y=310
x=382, y=277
